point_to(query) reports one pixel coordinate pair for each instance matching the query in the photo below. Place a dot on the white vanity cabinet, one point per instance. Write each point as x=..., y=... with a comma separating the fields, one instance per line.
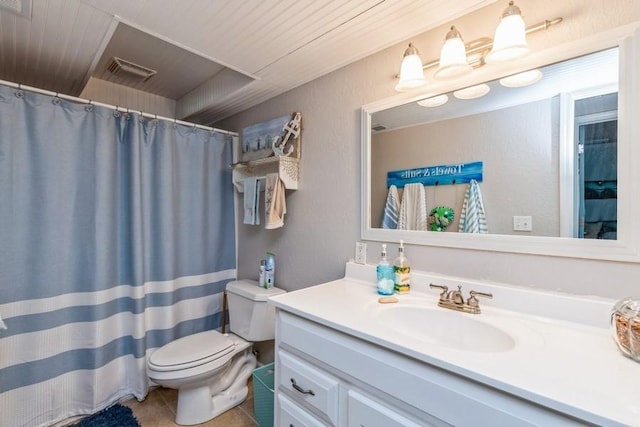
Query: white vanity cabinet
x=325, y=377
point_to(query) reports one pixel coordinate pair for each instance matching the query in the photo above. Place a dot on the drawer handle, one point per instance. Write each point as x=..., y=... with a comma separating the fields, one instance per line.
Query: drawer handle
x=300, y=389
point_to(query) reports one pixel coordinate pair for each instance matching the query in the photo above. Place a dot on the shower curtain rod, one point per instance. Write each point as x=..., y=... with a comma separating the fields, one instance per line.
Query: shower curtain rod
x=112, y=107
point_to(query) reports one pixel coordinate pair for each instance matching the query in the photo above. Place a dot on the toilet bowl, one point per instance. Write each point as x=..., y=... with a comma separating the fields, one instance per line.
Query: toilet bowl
x=210, y=370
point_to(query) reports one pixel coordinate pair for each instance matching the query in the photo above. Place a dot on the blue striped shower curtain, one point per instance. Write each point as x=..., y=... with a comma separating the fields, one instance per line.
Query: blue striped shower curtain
x=116, y=236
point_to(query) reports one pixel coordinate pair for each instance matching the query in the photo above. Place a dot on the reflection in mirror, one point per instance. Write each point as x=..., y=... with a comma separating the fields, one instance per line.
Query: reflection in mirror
x=548, y=153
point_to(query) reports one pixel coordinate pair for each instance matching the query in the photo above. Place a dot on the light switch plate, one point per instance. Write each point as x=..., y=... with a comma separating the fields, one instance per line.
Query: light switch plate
x=361, y=253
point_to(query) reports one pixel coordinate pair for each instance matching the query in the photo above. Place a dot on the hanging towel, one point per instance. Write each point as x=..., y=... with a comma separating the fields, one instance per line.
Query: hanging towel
x=390, y=216
x=413, y=208
x=274, y=202
x=472, y=217
x=251, y=201
x=2, y=325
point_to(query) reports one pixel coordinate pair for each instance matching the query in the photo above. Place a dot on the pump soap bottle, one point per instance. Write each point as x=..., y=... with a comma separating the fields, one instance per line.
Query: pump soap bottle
x=385, y=274
x=402, y=271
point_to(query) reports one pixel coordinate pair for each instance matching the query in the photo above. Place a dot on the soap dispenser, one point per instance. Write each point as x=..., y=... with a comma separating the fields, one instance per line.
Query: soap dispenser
x=385, y=274
x=402, y=271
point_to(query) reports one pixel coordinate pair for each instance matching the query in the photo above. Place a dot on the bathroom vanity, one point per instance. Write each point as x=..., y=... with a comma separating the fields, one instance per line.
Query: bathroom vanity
x=530, y=358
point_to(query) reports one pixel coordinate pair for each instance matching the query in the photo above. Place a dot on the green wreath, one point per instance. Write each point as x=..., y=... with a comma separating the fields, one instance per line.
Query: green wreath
x=440, y=217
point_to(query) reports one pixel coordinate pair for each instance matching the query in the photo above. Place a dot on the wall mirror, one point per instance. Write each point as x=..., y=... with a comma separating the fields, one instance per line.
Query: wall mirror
x=556, y=154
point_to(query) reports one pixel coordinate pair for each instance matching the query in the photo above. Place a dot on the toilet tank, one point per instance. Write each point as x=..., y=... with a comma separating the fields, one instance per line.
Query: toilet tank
x=249, y=314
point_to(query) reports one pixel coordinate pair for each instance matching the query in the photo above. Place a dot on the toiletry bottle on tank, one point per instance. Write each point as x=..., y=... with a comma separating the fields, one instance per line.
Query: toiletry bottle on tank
x=402, y=271
x=262, y=278
x=270, y=271
x=385, y=274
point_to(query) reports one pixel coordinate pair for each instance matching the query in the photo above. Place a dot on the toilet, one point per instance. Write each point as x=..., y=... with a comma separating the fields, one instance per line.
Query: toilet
x=210, y=370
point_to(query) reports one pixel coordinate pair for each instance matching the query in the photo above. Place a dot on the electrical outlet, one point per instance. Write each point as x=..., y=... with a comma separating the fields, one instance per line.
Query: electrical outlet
x=522, y=223
x=361, y=253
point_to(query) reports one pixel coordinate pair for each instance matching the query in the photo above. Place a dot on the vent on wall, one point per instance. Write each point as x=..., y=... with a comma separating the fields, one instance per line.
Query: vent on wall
x=19, y=7
x=124, y=68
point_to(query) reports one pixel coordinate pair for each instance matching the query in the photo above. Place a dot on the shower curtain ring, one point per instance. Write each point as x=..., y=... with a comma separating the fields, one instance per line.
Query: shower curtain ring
x=19, y=93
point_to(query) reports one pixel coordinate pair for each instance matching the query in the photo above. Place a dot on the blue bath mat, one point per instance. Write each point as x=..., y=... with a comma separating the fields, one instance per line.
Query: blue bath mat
x=114, y=416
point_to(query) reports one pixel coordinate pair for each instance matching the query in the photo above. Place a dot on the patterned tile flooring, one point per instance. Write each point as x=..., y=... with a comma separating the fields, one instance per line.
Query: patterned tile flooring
x=158, y=410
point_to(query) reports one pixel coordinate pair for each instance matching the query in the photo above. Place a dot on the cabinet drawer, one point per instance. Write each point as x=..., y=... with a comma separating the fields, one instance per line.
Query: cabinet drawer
x=292, y=415
x=365, y=412
x=307, y=383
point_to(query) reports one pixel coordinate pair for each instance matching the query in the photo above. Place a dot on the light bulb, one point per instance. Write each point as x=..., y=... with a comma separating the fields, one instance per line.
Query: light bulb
x=411, y=71
x=510, y=40
x=453, y=56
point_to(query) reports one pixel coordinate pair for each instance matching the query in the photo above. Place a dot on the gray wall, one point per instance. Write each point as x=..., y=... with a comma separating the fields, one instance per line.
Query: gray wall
x=323, y=217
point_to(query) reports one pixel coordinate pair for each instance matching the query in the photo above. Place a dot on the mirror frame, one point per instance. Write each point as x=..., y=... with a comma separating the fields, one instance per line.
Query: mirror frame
x=626, y=247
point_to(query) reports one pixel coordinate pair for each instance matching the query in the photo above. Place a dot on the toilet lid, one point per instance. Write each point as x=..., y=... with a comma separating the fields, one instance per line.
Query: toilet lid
x=192, y=350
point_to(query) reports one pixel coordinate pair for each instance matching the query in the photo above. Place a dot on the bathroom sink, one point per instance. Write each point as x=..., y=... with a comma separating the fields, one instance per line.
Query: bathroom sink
x=460, y=331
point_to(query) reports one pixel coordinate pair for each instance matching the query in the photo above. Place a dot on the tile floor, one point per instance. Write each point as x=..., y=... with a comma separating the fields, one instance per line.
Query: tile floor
x=158, y=410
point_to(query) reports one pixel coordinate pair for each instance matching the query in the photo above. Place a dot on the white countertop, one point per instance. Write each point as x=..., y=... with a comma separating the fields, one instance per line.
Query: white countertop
x=560, y=359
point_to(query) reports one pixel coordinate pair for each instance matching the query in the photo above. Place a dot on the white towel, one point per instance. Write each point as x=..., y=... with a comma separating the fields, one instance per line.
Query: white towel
x=275, y=205
x=2, y=325
x=251, y=201
x=413, y=208
x=472, y=217
x=390, y=216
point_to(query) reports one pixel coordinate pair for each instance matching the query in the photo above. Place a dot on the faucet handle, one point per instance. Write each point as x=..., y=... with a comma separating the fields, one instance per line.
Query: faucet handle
x=456, y=296
x=473, y=301
x=443, y=294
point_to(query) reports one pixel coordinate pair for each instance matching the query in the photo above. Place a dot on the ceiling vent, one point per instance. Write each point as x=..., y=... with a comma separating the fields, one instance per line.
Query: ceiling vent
x=19, y=7
x=123, y=68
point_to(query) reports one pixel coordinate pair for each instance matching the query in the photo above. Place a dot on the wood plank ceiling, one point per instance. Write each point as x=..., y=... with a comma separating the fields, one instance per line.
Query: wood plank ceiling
x=215, y=58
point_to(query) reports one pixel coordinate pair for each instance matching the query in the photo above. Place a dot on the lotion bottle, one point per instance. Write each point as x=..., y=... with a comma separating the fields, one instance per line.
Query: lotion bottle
x=385, y=274
x=402, y=271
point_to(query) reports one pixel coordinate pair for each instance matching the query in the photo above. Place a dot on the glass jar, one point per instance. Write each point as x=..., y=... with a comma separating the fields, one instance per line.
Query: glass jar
x=625, y=324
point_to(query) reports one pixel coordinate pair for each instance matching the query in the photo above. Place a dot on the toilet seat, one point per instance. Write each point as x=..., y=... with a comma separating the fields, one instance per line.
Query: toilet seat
x=192, y=351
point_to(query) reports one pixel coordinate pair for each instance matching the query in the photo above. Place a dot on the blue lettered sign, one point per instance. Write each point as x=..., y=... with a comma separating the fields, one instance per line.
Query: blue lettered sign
x=460, y=173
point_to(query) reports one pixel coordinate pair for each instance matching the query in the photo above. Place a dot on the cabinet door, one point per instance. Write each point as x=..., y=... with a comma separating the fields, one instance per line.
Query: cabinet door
x=291, y=415
x=365, y=412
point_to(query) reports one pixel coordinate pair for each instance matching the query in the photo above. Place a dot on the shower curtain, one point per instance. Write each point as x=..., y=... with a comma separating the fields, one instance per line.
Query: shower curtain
x=117, y=236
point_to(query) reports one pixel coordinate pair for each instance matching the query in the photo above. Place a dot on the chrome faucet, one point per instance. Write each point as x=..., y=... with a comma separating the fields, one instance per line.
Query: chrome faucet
x=455, y=301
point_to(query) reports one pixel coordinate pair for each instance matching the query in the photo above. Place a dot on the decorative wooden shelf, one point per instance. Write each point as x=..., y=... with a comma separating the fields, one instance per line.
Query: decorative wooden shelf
x=288, y=169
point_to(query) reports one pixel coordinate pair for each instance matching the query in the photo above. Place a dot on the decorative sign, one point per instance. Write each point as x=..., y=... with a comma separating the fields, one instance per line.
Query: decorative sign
x=460, y=173
x=258, y=140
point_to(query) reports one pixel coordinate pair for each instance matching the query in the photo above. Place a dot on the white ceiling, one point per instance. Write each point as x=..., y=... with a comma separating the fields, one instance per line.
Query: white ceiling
x=215, y=58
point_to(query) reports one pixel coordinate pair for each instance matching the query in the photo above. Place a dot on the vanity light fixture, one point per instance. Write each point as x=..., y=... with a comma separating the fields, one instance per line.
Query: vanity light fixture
x=411, y=70
x=525, y=78
x=472, y=92
x=510, y=43
x=453, y=56
x=434, y=101
x=510, y=40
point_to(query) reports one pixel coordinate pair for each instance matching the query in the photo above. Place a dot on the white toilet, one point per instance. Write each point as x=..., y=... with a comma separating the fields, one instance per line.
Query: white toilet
x=210, y=369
